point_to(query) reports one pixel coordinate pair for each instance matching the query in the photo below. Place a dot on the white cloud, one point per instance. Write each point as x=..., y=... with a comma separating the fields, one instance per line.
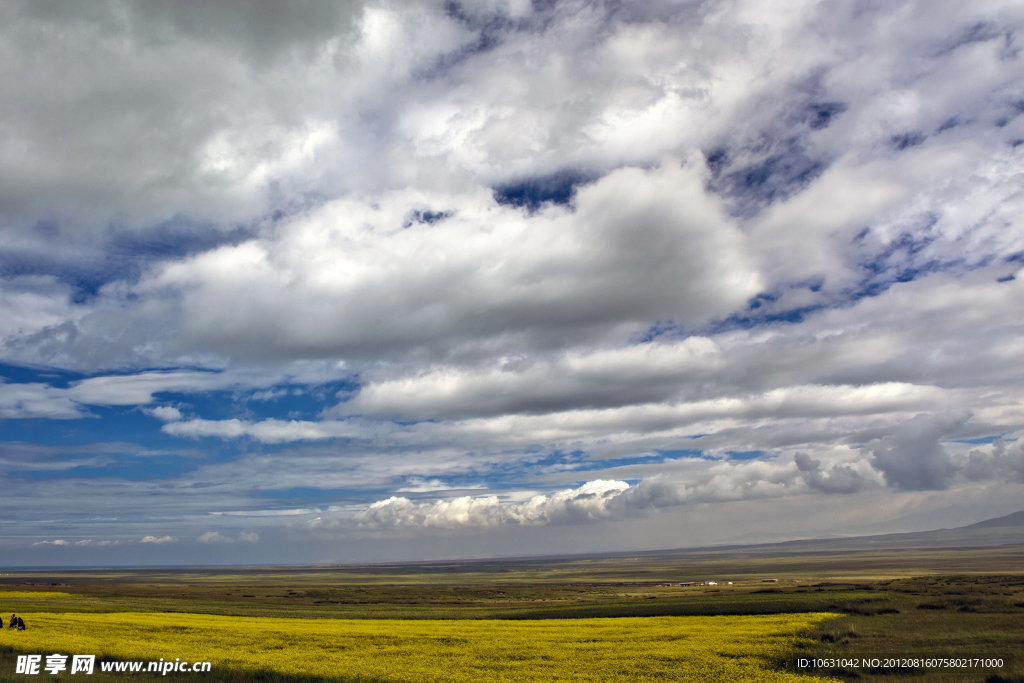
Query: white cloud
x=640, y=245
x=88, y=543
x=267, y=431
x=612, y=376
x=715, y=482
x=138, y=389
x=421, y=485
x=158, y=540
x=595, y=501
x=267, y=513
x=217, y=537
x=792, y=402
x=36, y=310
x=587, y=503
x=35, y=400
x=905, y=333
x=214, y=537
x=166, y=413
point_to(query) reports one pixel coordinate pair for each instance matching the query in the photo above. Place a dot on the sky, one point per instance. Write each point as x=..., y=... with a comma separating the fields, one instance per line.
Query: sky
x=316, y=282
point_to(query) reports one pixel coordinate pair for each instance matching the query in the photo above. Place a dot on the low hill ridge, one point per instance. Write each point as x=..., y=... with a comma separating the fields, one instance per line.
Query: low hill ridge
x=1012, y=519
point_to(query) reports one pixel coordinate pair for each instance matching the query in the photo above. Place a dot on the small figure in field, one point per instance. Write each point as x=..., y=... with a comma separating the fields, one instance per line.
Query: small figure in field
x=21, y=624
x=14, y=621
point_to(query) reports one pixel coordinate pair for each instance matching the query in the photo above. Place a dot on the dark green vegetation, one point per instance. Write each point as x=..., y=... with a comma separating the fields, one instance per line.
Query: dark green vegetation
x=541, y=601
x=952, y=593
x=963, y=616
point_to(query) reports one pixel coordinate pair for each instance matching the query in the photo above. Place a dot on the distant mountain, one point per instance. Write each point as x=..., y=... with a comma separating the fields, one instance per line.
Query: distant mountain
x=1012, y=519
x=991, y=545
x=991, y=533
x=1008, y=530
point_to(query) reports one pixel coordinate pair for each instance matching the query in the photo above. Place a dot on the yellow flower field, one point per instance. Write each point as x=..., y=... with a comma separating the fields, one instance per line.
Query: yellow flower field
x=722, y=648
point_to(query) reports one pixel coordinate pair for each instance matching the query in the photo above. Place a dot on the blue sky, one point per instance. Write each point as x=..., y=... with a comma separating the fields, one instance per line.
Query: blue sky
x=338, y=282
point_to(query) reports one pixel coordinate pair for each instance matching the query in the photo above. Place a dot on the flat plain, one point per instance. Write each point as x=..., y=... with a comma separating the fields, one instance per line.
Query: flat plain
x=899, y=598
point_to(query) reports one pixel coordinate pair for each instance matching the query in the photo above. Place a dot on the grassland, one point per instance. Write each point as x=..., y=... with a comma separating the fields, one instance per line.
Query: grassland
x=961, y=616
x=631, y=649
x=924, y=602
x=453, y=601
x=848, y=559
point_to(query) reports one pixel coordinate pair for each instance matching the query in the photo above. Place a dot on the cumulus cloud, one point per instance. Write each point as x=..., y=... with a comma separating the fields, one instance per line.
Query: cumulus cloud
x=214, y=537
x=839, y=479
x=911, y=458
x=584, y=504
x=640, y=245
x=603, y=500
x=929, y=452
x=217, y=537
x=89, y=543
x=592, y=502
x=166, y=413
x=1001, y=462
x=158, y=540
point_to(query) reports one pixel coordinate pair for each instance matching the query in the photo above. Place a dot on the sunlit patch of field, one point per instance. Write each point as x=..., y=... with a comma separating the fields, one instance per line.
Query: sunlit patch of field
x=722, y=648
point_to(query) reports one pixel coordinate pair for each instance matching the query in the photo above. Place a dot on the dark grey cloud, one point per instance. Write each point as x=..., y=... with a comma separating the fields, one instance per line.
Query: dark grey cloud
x=262, y=28
x=913, y=459
x=1001, y=462
x=839, y=478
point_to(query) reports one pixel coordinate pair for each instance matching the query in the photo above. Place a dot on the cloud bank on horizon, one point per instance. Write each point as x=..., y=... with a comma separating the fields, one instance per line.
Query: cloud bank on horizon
x=373, y=280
